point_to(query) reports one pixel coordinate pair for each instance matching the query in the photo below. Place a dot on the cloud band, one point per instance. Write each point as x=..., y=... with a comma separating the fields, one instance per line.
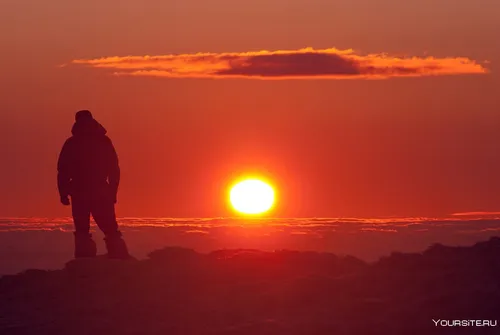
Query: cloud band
x=305, y=63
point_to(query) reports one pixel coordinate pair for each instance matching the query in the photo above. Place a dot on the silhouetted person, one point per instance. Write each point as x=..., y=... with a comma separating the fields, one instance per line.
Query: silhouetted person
x=89, y=173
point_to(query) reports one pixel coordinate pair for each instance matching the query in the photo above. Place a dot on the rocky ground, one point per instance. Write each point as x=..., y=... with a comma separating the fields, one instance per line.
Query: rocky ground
x=240, y=292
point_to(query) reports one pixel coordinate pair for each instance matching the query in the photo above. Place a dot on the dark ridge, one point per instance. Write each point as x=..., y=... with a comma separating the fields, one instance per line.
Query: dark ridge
x=180, y=291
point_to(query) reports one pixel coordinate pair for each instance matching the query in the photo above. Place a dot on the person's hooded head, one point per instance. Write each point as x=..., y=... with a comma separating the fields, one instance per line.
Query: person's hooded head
x=86, y=125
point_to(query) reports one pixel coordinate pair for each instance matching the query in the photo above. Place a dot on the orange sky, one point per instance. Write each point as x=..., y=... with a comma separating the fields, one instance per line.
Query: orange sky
x=416, y=146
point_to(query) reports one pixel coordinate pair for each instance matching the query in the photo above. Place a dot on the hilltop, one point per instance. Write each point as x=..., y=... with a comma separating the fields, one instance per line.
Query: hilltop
x=240, y=292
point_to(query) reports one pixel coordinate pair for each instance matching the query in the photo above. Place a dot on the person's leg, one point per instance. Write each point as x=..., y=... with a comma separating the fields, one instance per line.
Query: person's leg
x=84, y=245
x=104, y=215
x=80, y=208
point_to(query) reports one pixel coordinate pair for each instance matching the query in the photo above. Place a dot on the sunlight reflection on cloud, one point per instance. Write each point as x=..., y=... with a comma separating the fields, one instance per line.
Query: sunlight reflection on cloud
x=307, y=63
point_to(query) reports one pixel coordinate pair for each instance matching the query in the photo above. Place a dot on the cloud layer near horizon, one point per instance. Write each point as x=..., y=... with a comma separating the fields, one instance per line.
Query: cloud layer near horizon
x=305, y=63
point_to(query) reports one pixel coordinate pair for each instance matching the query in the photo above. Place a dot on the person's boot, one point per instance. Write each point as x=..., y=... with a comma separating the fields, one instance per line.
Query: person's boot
x=117, y=248
x=84, y=245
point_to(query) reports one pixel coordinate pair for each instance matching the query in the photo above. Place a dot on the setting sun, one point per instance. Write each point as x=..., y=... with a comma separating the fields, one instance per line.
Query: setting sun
x=252, y=196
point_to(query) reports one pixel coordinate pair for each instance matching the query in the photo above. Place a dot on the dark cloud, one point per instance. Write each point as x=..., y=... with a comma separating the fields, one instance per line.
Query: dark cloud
x=285, y=64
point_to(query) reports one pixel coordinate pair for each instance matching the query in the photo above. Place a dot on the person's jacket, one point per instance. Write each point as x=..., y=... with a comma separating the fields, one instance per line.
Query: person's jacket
x=88, y=161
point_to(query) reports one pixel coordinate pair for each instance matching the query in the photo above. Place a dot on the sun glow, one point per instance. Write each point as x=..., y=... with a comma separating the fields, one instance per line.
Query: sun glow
x=252, y=196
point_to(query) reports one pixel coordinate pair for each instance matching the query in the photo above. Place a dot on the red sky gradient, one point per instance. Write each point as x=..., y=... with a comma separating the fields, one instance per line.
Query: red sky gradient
x=416, y=146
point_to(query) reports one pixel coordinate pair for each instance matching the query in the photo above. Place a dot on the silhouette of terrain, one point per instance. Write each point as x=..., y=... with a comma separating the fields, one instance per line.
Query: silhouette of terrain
x=240, y=292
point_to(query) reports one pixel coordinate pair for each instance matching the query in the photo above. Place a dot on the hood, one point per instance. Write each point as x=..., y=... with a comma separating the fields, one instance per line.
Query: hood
x=88, y=127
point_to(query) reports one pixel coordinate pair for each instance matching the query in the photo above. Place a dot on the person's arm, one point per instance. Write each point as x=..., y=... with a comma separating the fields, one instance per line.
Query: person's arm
x=64, y=173
x=114, y=170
